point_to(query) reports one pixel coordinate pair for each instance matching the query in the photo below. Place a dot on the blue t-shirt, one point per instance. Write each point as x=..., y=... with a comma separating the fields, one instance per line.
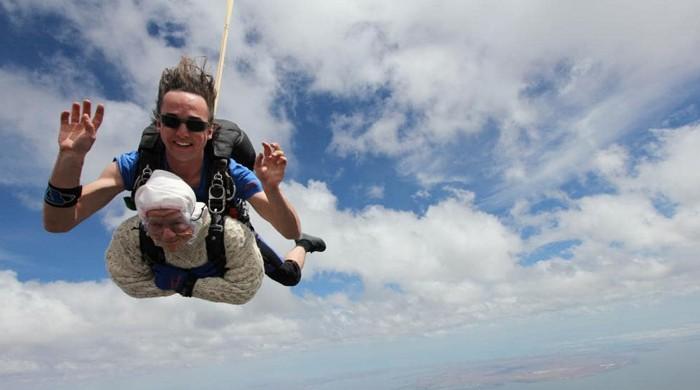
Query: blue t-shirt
x=247, y=184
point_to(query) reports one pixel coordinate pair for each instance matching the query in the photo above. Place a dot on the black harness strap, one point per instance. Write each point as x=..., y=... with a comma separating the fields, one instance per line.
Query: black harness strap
x=220, y=194
x=150, y=157
x=151, y=253
x=230, y=141
x=216, y=250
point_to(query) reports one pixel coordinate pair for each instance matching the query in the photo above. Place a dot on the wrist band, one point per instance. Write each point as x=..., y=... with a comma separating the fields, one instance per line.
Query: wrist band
x=62, y=197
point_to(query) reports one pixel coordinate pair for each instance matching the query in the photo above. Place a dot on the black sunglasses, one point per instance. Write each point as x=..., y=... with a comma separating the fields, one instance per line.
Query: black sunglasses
x=193, y=124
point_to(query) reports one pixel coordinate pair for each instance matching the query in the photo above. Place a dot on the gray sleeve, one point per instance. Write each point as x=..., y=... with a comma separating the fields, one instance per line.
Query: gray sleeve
x=244, y=268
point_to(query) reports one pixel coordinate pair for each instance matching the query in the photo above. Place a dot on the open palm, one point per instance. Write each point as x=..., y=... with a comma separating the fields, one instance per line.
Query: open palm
x=79, y=130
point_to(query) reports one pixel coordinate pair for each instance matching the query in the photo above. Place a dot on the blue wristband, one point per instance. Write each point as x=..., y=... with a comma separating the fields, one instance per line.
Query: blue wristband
x=62, y=197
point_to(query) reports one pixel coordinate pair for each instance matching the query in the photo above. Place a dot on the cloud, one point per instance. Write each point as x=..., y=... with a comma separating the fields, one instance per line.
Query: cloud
x=469, y=93
x=450, y=267
x=37, y=135
x=96, y=329
x=138, y=59
x=490, y=83
x=455, y=258
x=668, y=171
x=628, y=243
x=375, y=192
x=550, y=99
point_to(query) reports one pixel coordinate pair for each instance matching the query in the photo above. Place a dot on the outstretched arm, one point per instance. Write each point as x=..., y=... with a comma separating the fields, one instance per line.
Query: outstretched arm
x=77, y=134
x=271, y=204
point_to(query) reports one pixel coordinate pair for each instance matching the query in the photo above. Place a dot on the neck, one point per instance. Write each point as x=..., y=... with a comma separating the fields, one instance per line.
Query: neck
x=189, y=171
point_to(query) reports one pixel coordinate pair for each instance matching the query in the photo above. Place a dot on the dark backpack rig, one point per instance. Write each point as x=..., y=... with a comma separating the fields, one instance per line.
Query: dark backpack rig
x=228, y=141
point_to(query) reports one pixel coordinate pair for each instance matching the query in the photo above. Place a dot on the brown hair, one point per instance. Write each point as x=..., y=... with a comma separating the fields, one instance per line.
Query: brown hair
x=187, y=76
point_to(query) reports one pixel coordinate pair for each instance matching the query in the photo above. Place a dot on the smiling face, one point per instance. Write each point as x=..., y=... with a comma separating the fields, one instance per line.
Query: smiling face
x=181, y=144
x=168, y=228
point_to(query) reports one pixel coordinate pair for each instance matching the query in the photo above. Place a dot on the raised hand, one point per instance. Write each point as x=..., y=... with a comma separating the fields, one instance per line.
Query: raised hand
x=79, y=130
x=270, y=165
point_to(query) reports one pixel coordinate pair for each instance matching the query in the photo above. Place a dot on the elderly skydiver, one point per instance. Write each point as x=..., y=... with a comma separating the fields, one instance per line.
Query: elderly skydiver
x=176, y=226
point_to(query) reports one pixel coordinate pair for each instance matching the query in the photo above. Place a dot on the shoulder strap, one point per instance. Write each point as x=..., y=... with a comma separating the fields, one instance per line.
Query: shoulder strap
x=222, y=189
x=150, y=253
x=150, y=157
x=149, y=137
x=216, y=250
x=229, y=140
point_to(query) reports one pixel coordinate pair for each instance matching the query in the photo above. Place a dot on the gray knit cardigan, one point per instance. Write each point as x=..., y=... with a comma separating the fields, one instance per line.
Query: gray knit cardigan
x=241, y=280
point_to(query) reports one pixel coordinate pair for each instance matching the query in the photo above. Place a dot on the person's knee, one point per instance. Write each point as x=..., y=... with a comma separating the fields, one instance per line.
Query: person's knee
x=284, y=272
x=289, y=273
x=293, y=270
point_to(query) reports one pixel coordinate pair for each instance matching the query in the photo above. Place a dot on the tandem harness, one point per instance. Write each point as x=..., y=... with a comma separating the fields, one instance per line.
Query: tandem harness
x=227, y=141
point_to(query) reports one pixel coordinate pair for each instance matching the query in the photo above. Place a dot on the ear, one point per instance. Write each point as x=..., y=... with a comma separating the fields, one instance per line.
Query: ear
x=210, y=132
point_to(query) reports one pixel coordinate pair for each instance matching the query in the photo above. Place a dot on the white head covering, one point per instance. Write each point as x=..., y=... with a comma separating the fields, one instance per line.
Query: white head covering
x=165, y=190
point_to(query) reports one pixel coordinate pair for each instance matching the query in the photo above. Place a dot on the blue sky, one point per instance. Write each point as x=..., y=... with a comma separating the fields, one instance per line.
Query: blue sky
x=495, y=181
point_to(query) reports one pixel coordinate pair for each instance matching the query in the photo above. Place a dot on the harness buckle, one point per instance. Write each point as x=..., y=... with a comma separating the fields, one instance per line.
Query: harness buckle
x=217, y=194
x=216, y=228
x=140, y=180
x=143, y=177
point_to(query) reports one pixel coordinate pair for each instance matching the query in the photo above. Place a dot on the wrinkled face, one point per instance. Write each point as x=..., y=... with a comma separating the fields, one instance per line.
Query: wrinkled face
x=183, y=145
x=168, y=228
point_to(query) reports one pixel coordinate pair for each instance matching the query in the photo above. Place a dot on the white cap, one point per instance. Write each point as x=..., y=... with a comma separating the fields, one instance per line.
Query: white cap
x=165, y=190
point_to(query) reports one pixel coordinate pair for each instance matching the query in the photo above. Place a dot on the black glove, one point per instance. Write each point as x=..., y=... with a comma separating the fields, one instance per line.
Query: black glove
x=168, y=277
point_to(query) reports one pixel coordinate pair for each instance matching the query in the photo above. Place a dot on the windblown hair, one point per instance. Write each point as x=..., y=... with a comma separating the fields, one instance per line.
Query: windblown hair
x=187, y=76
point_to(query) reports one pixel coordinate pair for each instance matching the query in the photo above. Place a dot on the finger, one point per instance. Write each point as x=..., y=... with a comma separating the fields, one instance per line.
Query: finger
x=87, y=107
x=75, y=113
x=276, y=149
x=99, y=114
x=64, y=118
x=258, y=161
x=267, y=152
x=87, y=124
